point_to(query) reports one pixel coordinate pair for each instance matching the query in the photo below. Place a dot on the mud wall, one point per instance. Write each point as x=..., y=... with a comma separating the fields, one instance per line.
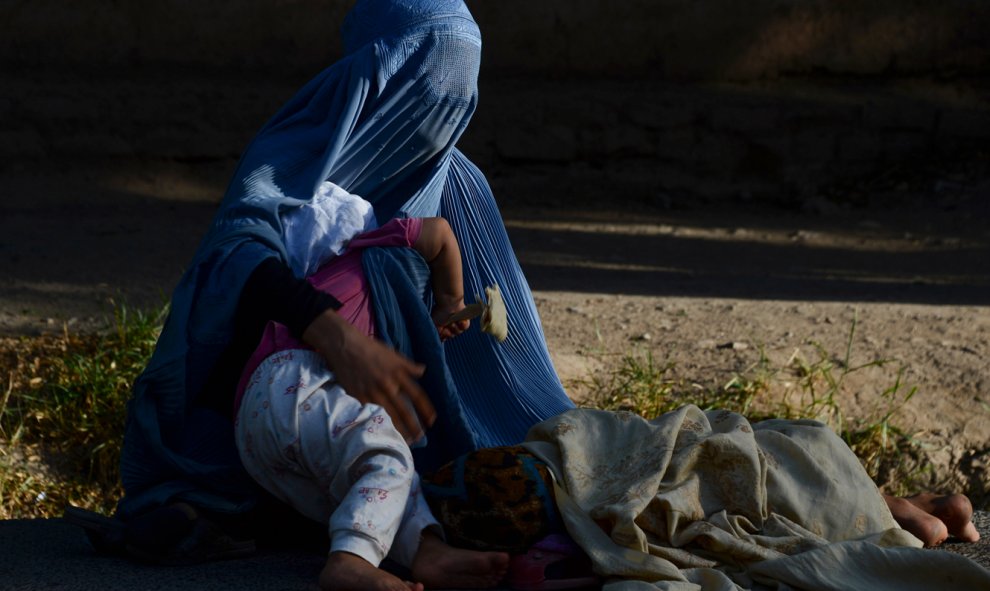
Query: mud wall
x=696, y=39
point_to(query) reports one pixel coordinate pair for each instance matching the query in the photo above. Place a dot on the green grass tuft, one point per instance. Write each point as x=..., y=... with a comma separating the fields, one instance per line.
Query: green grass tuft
x=62, y=414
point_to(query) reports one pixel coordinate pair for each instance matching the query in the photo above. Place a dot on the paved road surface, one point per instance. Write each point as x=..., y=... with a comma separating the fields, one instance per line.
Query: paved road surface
x=51, y=555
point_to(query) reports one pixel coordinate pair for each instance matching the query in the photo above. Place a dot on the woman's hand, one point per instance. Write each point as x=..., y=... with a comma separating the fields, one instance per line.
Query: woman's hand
x=370, y=371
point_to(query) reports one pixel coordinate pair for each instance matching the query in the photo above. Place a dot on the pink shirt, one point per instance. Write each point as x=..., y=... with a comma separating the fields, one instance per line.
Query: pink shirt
x=343, y=278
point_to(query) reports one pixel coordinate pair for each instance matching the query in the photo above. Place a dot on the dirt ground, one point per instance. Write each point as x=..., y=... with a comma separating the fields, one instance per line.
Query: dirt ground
x=724, y=289
x=707, y=287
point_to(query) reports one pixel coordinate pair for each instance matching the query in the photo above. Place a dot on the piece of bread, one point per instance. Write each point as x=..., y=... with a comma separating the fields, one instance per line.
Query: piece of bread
x=494, y=320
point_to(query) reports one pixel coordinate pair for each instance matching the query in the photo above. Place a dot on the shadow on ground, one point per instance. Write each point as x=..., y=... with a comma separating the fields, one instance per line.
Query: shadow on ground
x=73, y=240
x=52, y=555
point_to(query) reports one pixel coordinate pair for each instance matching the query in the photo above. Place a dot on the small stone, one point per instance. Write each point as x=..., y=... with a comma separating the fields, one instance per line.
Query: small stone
x=734, y=345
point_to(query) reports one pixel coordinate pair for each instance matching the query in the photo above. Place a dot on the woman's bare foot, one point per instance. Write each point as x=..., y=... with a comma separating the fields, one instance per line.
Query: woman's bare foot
x=955, y=511
x=438, y=565
x=349, y=572
x=932, y=518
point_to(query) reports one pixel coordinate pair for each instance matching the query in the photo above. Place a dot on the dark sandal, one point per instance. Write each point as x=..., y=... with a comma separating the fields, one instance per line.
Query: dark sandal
x=105, y=534
x=206, y=542
x=553, y=563
x=171, y=535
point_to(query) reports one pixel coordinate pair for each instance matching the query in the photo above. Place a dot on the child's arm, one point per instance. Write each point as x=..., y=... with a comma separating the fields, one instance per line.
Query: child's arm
x=438, y=246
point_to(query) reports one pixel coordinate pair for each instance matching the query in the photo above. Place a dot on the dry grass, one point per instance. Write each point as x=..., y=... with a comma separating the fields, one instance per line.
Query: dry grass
x=62, y=414
x=63, y=405
x=891, y=456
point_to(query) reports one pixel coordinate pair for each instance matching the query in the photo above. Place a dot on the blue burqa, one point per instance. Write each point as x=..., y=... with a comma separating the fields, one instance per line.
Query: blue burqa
x=381, y=123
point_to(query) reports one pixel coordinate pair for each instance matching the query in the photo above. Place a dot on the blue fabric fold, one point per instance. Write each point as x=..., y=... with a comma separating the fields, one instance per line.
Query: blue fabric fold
x=399, y=283
x=380, y=123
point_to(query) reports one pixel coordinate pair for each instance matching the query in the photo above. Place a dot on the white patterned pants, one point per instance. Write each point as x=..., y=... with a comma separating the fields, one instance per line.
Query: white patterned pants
x=334, y=460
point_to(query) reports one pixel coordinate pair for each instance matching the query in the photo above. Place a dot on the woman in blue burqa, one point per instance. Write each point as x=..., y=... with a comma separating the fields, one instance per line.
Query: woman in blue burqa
x=382, y=124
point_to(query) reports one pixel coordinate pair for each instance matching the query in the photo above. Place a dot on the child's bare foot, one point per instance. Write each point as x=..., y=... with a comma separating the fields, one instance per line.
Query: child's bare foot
x=932, y=518
x=955, y=511
x=349, y=572
x=441, y=566
x=925, y=526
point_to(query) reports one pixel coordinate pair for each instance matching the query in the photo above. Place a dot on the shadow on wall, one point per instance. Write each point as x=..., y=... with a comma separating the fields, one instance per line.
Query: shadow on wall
x=706, y=39
x=724, y=39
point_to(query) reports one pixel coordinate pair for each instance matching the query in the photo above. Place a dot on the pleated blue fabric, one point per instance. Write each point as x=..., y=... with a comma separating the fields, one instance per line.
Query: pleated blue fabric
x=380, y=123
x=398, y=285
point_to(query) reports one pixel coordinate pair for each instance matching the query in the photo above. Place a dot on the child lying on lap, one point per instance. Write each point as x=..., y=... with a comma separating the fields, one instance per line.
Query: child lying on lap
x=341, y=462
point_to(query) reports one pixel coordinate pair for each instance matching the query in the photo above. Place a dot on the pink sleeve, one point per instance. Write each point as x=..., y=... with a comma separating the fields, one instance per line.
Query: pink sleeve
x=397, y=232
